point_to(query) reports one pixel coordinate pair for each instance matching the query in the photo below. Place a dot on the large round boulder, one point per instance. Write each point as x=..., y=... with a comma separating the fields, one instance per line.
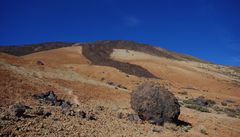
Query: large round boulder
x=155, y=104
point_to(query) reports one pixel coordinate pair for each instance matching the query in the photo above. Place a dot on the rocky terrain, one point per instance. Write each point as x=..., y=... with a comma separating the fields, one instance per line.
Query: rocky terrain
x=87, y=89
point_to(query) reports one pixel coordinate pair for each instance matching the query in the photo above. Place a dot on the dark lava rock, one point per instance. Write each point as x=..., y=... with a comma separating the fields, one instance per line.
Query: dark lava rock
x=155, y=104
x=65, y=104
x=91, y=117
x=47, y=114
x=19, y=109
x=99, y=54
x=82, y=114
x=50, y=98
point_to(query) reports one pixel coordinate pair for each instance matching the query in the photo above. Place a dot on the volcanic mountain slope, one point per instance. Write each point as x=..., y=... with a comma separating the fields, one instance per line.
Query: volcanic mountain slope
x=98, y=77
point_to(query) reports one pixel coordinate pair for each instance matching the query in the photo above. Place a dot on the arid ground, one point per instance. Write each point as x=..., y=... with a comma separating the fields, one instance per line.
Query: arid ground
x=98, y=81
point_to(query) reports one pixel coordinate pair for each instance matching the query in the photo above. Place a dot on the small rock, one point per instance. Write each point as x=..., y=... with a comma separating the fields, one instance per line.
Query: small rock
x=6, y=116
x=156, y=129
x=100, y=108
x=39, y=111
x=65, y=105
x=110, y=83
x=71, y=113
x=48, y=97
x=91, y=117
x=47, y=114
x=19, y=109
x=224, y=103
x=154, y=103
x=39, y=62
x=186, y=128
x=133, y=117
x=120, y=115
x=55, y=119
x=82, y=114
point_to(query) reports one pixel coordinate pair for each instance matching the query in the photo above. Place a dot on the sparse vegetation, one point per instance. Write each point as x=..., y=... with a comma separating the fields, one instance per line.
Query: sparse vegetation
x=91, y=88
x=198, y=108
x=218, y=109
x=232, y=112
x=201, y=101
x=200, y=104
x=174, y=127
x=203, y=131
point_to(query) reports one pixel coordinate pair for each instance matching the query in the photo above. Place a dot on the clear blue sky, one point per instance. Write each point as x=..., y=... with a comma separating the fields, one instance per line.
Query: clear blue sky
x=208, y=29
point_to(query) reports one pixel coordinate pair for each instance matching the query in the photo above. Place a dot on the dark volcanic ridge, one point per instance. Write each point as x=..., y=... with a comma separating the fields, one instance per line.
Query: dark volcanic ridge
x=99, y=53
x=21, y=50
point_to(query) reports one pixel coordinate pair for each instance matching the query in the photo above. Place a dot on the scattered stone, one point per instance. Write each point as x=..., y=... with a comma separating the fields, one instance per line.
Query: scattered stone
x=39, y=111
x=156, y=129
x=6, y=116
x=203, y=130
x=39, y=62
x=102, y=79
x=65, y=104
x=224, y=103
x=133, y=117
x=19, y=109
x=55, y=119
x=71, y=113
x=91, y=116
x=100, y=108
x=120, y=115
x=120, y=86
x=110, y=83
x=8, y=134
x=155, y=104
x=186, y=128
x=171, y=126
x=47, y=114
x=82, y=114
x=50, y=98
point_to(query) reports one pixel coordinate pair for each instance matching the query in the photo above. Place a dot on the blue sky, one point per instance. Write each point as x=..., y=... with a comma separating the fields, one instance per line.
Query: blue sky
x=207, y=29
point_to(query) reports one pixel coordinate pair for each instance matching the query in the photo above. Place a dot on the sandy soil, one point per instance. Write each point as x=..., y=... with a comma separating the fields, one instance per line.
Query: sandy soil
x=74, y=78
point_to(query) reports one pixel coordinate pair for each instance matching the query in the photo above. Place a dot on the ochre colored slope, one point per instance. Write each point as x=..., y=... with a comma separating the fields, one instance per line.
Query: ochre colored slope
x=73, y=77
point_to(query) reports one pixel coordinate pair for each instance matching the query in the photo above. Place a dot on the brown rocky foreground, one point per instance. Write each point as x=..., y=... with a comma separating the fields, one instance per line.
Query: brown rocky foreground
x=99, y=93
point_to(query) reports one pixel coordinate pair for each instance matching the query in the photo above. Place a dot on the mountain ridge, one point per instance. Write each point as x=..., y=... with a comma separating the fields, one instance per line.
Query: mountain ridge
x=20, y=50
